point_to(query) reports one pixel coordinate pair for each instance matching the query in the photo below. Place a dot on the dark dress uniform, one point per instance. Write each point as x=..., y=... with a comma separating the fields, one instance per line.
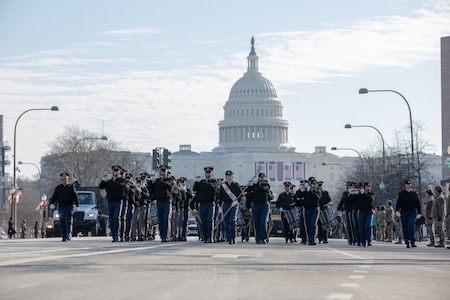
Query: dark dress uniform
x=65, y=196
x=206, y=197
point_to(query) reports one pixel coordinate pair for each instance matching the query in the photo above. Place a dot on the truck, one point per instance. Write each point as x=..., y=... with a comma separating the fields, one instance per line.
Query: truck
x=91, y=218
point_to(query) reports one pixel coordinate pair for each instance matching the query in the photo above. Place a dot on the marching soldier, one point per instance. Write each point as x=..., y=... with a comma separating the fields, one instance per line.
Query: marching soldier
x=260, y=207
x=229, y=195
x=186, y=196
x=206, y=196
x=408, y=208
x=115, y=193
x=324, y=202
x=364, y=205
x=162, y=190
x=132, y=202
x=65, y=195
x=285, y=202
x=429, y=216
x=298, y=203
x=310, y=203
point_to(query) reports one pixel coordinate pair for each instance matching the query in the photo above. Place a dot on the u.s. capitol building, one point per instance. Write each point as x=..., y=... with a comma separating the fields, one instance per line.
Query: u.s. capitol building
x=253, y=137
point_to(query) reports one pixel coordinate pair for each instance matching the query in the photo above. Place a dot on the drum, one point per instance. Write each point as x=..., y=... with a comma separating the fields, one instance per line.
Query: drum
x=294, y=212
x=240, y=221
x=153, y=220
x=328, y=218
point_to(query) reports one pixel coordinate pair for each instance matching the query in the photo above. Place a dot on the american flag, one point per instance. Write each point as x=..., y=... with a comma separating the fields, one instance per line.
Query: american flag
x=261, y=167
x=287, y=171
x=14, y=196
x=298, y=171
x=272, y=174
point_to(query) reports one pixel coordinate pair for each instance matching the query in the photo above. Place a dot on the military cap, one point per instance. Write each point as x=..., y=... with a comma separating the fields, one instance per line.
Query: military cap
x=228, y=173
x=116, y=168
x=182, y=179
x=144, y=175
x=261, y=175
x=139, y=179
x=64, y=175
x=319, y=182
x=303, y=181
x=367, y=184
x=163, y=167
x=312, y=181
x=127, y=175
x=407, y=181
x=286, y=183
x=208, y=169
x=311, y=178
x=292, y=185
x=389, y=202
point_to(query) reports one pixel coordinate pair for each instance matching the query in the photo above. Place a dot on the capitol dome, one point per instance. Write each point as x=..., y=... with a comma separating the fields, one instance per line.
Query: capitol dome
x=253, y=115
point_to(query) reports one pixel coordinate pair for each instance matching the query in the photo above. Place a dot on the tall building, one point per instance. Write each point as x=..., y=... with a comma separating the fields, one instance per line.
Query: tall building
x=445, y=103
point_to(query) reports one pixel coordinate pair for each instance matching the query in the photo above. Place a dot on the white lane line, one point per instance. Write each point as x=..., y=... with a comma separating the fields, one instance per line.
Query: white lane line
x=350, y=284
x=94, y=253
x=360, y=271
x=356, y=277
x=346, y=253
x=340, y=296
x=366, y=267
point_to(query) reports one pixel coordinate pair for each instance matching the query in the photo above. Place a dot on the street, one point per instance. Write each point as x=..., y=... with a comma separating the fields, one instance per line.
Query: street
x=93, y=267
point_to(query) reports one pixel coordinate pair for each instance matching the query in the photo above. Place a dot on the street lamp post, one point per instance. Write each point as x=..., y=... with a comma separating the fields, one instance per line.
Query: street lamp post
x=103, y=138
x=13, y=204
x=357, y=152
x=348, y=126
x=365, y=91
x=337, y=164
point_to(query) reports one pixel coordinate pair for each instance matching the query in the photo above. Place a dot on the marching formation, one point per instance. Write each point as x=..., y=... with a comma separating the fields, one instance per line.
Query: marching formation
x=139, y=207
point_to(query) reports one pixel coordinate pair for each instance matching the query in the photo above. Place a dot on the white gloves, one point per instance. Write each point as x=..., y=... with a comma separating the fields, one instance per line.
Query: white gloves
x=281, y=209
x=194, y=210
x=105, y=178
x=220, y=210
x=418, y=216
x=308, y=188
x=397, y=213
x=234, y=203
x=52, y=206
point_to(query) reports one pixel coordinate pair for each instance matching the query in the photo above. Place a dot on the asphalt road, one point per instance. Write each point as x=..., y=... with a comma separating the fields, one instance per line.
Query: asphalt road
x=95, y=268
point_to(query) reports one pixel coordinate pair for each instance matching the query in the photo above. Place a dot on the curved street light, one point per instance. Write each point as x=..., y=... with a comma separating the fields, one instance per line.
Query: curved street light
x=13, y=204
x=349, y=126
x=337, y=164
x=357, y=152
x=366, y=91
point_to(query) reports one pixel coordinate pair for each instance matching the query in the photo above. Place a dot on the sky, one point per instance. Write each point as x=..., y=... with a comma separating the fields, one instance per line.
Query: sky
x=158, y=73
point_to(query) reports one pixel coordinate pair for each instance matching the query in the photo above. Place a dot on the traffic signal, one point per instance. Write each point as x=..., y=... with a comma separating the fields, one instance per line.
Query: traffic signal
x=167, y=157
x=156, y=159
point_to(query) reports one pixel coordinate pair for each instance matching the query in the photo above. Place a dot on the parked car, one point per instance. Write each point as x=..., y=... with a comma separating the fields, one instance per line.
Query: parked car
x=192, y=228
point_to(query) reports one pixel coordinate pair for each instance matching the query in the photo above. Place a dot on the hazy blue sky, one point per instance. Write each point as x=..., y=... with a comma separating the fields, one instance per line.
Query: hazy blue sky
x=158, y=73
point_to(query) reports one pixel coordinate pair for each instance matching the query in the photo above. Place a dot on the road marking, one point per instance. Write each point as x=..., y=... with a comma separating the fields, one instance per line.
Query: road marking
x=367, y=267
x=356, y=277
x=94, y=253
x=360, y=271
x=346, y=253
x=340, y=296
x=350, y=285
